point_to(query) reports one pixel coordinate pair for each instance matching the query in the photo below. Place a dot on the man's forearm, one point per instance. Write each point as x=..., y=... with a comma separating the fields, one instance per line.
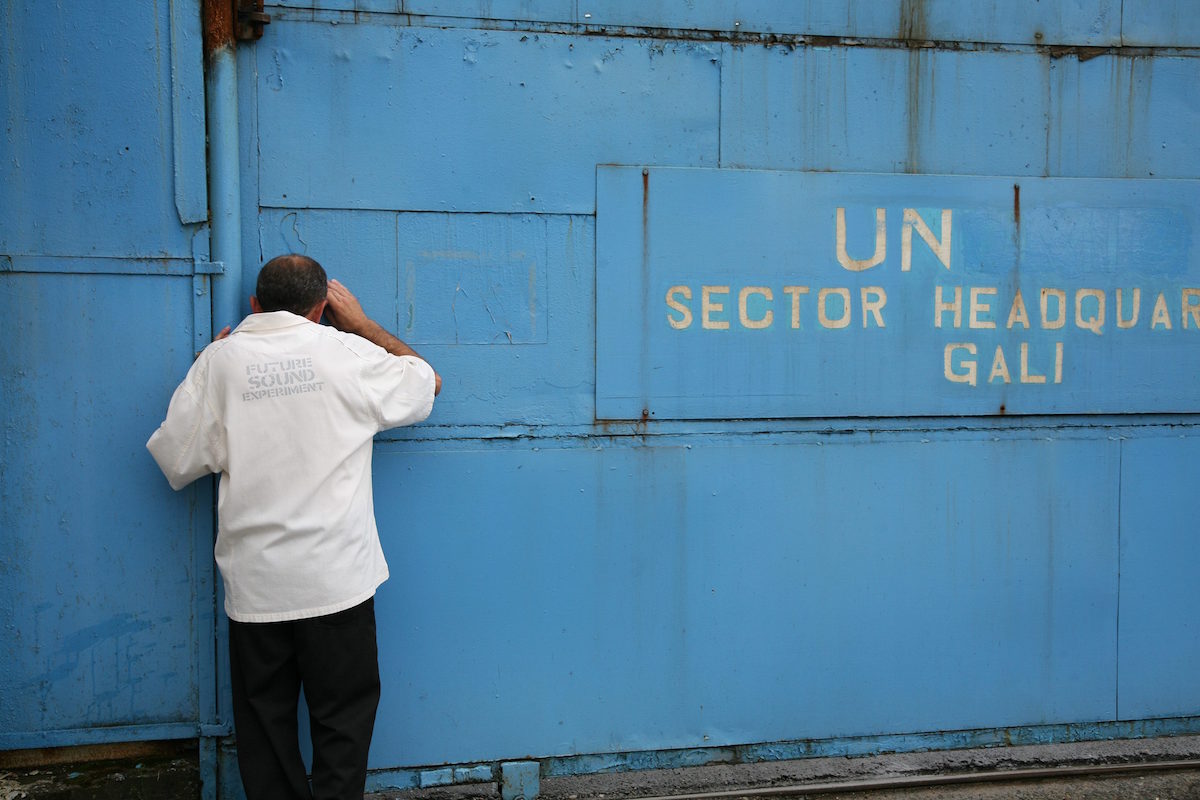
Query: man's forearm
x=372, y=331
x=345, y=313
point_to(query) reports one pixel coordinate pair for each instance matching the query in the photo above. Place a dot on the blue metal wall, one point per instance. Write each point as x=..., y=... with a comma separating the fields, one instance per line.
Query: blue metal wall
x=577, y=585
x=106, y=583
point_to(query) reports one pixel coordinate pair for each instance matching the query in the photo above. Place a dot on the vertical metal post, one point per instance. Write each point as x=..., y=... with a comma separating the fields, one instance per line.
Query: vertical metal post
x=225, y=215
x=224, y=167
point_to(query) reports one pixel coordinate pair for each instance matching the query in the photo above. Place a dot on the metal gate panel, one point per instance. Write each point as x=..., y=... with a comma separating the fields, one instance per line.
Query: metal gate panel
x=474, y=293
x=563, y=585
x=106, y=578
x=553, y=599
x=447, y=120
x=76, y=180
x=866, y=109
x=725, y=294
x=1160, y=607
x=101, y=577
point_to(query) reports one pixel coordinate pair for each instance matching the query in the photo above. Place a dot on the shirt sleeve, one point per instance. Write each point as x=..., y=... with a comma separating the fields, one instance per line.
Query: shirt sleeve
x=400, y=388
x=190, y=442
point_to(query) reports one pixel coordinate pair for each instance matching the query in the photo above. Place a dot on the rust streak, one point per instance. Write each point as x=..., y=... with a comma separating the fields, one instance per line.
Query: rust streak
x=218, y=26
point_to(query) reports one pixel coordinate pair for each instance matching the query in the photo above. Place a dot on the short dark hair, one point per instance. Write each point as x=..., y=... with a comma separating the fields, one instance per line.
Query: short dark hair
x=292, y=283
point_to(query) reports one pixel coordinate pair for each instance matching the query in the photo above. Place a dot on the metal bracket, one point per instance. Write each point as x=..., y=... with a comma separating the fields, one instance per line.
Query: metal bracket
x=249, y=20
x=209, y=267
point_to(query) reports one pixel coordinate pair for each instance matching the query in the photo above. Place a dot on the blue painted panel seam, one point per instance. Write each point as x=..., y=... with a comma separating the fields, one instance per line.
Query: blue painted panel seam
x=1117, y=616
x=24, y=740
x=738, y=38
x=97, y=265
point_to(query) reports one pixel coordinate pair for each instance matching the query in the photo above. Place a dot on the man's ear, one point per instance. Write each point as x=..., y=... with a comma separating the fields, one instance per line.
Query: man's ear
x=254, y=306
x=317, y=311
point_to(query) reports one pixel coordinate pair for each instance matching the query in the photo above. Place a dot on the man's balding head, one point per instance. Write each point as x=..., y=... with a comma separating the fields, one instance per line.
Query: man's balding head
x=292, y=283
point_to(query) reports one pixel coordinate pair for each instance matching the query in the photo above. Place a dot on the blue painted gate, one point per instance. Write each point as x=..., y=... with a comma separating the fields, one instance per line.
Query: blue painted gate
x=106, y=582
x=822, y=516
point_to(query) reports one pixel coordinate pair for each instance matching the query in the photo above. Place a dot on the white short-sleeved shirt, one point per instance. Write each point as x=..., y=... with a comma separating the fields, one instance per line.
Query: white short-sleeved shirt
x=285, y=411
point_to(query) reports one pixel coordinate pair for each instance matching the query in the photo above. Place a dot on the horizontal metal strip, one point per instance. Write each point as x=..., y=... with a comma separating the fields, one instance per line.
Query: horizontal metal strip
x=799, y=431
x=276, y=206
x=69, y=737
x=1086, y=44
x=594, y=763
x=97, y=265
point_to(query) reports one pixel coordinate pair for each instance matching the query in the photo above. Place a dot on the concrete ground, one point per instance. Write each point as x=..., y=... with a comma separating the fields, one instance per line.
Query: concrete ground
x=171, y=774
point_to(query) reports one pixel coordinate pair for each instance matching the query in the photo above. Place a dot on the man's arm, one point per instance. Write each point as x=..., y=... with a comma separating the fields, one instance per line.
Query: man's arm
x=345, y=313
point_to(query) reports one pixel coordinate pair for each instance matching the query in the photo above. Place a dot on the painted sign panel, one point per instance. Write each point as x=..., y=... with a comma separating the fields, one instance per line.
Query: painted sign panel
x=745, y=294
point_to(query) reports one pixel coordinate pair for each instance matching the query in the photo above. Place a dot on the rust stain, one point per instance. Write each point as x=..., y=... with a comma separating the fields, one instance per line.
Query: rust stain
x=645, y=220
x=913, y=21
x=1017, y=204
x=218, y=26
x=645, y=195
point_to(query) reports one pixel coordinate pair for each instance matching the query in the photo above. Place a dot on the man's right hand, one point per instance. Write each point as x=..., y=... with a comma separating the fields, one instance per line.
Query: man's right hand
x=345, y=313
x=343, y=310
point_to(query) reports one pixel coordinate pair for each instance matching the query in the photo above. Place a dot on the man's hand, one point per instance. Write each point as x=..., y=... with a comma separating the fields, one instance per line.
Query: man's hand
x=343, y=310
x=224, y=332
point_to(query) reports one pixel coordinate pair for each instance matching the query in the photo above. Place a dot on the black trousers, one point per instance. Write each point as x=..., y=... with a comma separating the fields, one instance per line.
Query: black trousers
x=336, y=660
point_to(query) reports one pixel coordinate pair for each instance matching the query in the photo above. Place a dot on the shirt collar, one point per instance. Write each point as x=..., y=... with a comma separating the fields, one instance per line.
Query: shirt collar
x=270, y=321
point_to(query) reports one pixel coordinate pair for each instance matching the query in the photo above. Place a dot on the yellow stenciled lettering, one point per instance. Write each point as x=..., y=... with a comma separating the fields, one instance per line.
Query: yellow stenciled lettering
x=1190, y=300
x=941, y=249
x=1137, y=305
x=874, y=298
x=1026, y=375
x=1060, y=298
x=967, y=368
x=744, y=317
x=684, y=320
x=823, y=308
x=880, y=242
x=999, y=367
x=1094, y=323
x=708, y=307
x=1160, y=316
x=1018, y=313
x=795, y=292
x=980, y=307
x=940, y=306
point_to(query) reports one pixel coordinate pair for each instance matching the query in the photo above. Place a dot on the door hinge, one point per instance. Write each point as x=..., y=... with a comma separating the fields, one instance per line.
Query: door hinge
x=249, y=20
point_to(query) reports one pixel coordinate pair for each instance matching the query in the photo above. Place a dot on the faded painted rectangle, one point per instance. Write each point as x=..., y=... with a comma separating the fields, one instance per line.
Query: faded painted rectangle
x=472, y=293
x=436, y=278
x=472, y=279
x=423, y=119
x=732, y=294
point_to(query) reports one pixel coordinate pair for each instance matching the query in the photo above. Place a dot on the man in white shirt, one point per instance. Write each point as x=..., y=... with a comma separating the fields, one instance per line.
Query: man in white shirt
x=284, y=410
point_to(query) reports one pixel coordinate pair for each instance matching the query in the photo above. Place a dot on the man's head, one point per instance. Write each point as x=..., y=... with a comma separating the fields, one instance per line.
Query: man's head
x=292, y=283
